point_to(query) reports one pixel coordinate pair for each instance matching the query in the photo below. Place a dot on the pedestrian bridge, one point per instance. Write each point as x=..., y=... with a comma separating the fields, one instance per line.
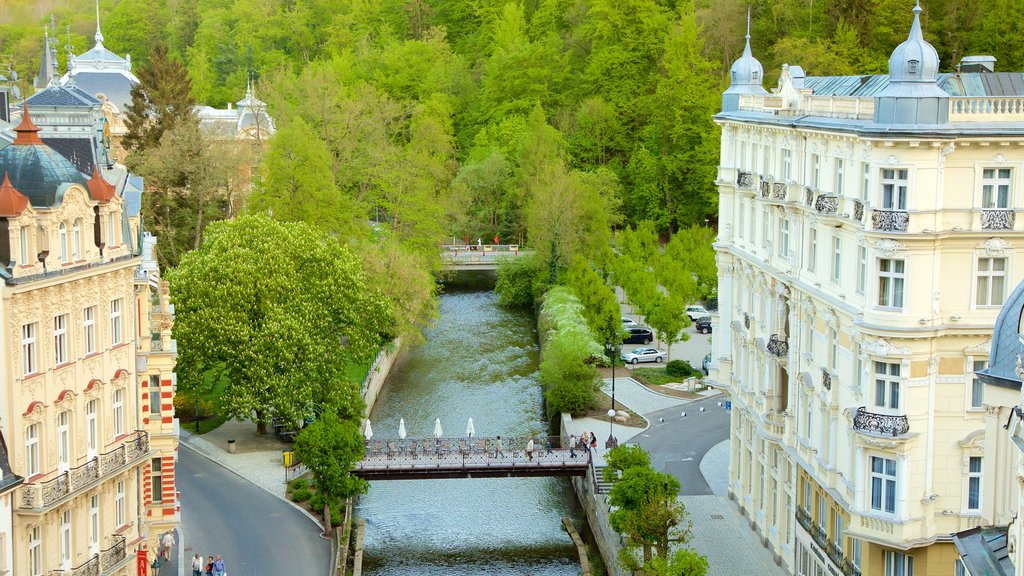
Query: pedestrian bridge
x=417, y=459
x=478, y=256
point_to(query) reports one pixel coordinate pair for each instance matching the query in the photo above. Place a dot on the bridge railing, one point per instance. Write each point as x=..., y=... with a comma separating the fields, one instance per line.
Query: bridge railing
x=469, y=453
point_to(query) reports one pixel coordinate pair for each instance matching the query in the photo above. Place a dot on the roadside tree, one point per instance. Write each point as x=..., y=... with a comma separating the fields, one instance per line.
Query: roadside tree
x=329, y=447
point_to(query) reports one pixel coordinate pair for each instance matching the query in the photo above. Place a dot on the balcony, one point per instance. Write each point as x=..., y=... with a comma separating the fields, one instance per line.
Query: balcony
x=744, y=180
x=40, y=496
x=778, y=346
x=827, y=204
x=820, y=537
x=994, y=219
x=882, y=424
x=114, y=555
x=826, y=379
x=746, y=320
x=779, y=191
x=858, y=210
x=890, y=220
x=808, y=197
x=766, y=188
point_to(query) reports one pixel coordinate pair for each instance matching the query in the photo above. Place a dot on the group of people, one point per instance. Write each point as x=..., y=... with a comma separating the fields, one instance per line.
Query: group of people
x=212, y=567
x=587, y=441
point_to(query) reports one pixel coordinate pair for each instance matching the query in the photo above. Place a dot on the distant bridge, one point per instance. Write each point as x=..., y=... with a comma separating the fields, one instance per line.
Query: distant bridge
x=478, y=256
x=393, y=459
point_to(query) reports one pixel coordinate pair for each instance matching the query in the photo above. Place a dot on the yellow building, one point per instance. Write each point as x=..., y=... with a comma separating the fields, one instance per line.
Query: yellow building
x=72, y=409
x=867, y=237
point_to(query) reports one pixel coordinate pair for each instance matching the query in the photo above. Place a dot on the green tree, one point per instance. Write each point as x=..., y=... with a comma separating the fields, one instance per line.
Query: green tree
x=329, y=447
x=520, y=281
x=600, y=307
x=160, y=100
x=276, y=310
x=622, y=458
x=568, y=378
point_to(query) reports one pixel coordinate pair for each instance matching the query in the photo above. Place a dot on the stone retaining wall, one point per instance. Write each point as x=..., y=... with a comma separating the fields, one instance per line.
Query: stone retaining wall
x=379, y=372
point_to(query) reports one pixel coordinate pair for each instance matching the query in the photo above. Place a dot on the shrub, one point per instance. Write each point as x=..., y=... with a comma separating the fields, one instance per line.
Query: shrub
x=299, y=484
x=567, y=377
x=681, y=369
x=518, y=280
x=301, y=494
x=185, y=406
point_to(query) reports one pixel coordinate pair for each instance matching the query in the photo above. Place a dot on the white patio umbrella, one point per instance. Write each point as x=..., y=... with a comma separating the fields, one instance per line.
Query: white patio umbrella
x=401, y=428
x=437, y=429
x=368, y=431
x=469, y=428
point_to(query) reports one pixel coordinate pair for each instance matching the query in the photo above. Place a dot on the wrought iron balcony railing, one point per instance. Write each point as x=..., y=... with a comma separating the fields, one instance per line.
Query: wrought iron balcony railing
x=766, y=188
x=744, y=180
x=826, y=204
x=865, y=421
x=826, y=379
x=804, y=518
x=833, y=549
x=808, y=197
x=779, y=190
x=997, y=219
x=858, y=210
x=778, y=345
x=890, y=220
x=112, y=556
x=42, y=495
x=746, y=321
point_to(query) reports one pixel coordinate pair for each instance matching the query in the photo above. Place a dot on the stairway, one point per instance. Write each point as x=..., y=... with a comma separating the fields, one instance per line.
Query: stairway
x=602, y=486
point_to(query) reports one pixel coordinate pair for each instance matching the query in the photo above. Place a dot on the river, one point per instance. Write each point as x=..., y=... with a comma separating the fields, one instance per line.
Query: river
x=479, y=360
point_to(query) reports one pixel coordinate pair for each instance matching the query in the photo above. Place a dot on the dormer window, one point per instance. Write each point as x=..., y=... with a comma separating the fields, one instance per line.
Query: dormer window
x=76, y=240
x=755, y=75
x=912, y=66
x=62, y=242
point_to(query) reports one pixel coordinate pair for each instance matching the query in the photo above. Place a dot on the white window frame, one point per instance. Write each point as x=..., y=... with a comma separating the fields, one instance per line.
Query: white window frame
x=115, y=321
x=89, y=330
x=784, y=237
x=833, y=352
x=742, y=219
x=62, y=242
x=766, y=229
x=76, y=240
x=156, y=480
x=865, y=187
x=898, y=564
x=837, y=258
x=891, y=283
x=816, y=171
x=35, y=551
x=885, y=479
x=29, y=357
x=23, y=245
x=65, y=539
x=60, y=339
x=862, y=268
x=887, y=386
x=894, y=188
x=154, y=395
x=94, y=523
x=91, y=428
x=996, y=189
x=812, y=248
x=974, y=482
x=990, y=282
x=976, y=390
x=111, y=230
x=120, y=519
x=63, y=441
x=117, y=411
x=32, y=463
x=787, y=164
x=840, y=176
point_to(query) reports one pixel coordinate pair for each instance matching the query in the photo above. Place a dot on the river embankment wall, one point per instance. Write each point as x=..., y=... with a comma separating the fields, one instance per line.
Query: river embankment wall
x=379, y=372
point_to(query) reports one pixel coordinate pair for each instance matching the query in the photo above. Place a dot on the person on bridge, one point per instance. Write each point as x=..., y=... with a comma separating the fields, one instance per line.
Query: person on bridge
x=529, y=449
x=497, y=448
x=572, y=446
x=496, y=239
x=547, y=447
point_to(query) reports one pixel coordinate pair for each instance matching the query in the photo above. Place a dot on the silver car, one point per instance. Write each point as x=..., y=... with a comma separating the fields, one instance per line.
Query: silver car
x=643, y=355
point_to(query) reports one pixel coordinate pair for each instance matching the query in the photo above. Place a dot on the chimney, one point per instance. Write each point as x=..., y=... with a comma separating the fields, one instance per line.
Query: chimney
x=978, y=64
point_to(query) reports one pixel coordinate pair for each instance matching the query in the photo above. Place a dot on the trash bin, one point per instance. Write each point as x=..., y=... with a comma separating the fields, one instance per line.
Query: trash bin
x=231, y=446
x=288, y=456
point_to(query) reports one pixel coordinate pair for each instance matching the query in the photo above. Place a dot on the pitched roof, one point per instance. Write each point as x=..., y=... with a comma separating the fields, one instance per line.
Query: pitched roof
x=99, y=189
x=984, y=551
x=78, y=151
x=114, y=84
x=12, y=202
x=67, y=95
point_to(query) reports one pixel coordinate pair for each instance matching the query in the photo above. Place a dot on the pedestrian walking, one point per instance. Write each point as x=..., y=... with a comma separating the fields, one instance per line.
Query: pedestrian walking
x=166, y=544
x=218, y=567
x=197, y=565
x=529, y=449
x=547, y=447
x=593, y=441
x=497, y=448
x=479, y=242
x=572, y=446
x=209, y=567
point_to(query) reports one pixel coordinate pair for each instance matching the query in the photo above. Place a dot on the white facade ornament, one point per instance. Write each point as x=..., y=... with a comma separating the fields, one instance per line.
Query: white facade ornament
x=995, y=246
x=881, y=347
x=781, y=289
x=936, y=296
x=999, y=159
x=830, y=318
x=933, y=365
x=889, y=247
x=1019, y=370
x=892, y=159
x=983, y=348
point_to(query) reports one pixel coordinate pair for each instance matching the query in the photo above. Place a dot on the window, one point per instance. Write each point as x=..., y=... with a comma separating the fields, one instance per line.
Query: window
x=118, y=411
x=89, y=330
x=974, y=483
x=765, y=229
x=157, y=479
x=31, y=450
x=115, y=321
x=862, y=268
x=62, y=241
x=94, y=521
x=890, y=283
x=865, y=184
x=76, y=240
x=816, y=171
x=60, y=339
x=960, y=569
x=807, y=497
x=784, y=238
x=63, y=441
x=991, y=281
x=91, y=438
x=23, y=245
x=119, y=513
x=837, y=526
x=995, y=187
x=855, y=552
x=840, y=176
x=977, y=386
x=898, y=563
x=743, y=219
x=887, y=385
x=154, y=395
x=837, y=258
x=111, y=229
x=65, y=538
x=833, y=352
x=810, y=416
x=894, y=189
x=28, y=349
x=883, y=485
x=787, y=164
x=767, y=161
x=812, y=248
x=822, y=510
x=35, y=551
x=912, y=66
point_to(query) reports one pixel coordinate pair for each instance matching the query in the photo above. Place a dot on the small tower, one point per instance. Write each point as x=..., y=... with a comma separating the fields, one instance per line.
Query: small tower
x=745, y=77
x=48, y=65
x=913, y=95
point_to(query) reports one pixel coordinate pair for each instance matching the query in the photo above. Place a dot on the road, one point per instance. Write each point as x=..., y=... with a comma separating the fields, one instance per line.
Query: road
x=254, y=532
x=678, y=444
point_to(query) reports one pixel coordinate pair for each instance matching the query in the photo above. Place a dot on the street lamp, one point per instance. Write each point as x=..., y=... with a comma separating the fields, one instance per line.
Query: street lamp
x=611, y=349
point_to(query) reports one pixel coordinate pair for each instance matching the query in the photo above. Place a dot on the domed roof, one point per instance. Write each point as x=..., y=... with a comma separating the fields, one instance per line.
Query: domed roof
x=746, y=71
x=35, y=169
x=915, y=60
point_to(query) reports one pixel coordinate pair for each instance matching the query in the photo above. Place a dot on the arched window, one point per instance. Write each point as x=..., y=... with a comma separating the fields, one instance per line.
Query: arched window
x=76, y=240
x=62, y=241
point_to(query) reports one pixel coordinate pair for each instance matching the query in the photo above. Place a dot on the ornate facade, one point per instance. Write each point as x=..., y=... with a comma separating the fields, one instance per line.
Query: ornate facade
x=867, y=239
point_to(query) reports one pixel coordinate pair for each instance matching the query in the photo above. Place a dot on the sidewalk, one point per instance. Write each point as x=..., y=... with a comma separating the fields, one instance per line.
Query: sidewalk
x=257, y=457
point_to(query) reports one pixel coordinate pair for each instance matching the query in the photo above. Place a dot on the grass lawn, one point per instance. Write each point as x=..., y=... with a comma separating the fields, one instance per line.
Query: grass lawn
x=602, y=402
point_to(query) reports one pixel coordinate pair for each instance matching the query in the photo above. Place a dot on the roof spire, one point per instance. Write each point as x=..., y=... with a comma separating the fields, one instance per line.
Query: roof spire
x=915, y=29
x=27, y=132
x=99, y=35
x=746, y=49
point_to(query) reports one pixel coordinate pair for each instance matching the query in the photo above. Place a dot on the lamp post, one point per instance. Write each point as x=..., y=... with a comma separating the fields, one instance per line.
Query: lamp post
x=611, y=349
x=197, y=413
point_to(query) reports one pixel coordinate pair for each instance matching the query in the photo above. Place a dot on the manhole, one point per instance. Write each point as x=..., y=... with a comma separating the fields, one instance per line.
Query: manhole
x=717, y=517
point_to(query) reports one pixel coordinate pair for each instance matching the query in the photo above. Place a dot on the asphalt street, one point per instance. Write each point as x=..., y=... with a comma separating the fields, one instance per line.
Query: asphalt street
x=678, y=444
x=254, y=532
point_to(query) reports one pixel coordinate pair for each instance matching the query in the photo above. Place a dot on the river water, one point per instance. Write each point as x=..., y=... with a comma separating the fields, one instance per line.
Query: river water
x=480, y=361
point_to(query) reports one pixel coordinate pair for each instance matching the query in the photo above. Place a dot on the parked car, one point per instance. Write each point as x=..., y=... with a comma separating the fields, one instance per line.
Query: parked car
x=643, y=355
x=639, y=336
x=696, y=312
x=703, y=325
x=629, y=323
x=706, y=364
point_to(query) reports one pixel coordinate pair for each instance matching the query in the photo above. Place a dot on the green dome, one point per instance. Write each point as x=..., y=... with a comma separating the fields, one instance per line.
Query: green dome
x=38, y=172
